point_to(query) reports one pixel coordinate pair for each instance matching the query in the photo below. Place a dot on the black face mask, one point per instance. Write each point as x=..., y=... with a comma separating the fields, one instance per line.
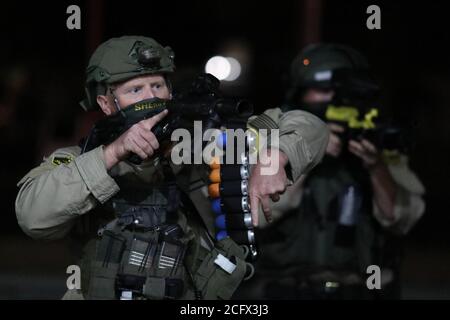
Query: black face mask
x=141, y=110
x=111, y=127
x=318, y=109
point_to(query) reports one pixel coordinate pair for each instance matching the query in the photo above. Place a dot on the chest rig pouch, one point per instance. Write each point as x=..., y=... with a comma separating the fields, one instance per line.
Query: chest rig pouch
x=140, y=253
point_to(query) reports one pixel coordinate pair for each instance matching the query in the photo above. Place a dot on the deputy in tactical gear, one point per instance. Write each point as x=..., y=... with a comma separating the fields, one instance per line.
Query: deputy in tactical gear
x=353, y=209
x=147, y=229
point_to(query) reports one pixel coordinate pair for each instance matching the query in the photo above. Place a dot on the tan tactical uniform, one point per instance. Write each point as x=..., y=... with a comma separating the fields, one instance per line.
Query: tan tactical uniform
x=409, y=203
x=68, y=185
x=294, y=252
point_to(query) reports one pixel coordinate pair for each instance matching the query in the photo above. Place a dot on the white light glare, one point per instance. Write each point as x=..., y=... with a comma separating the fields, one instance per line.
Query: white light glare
x=223, y=68
x=235, y=70
x=219, y=67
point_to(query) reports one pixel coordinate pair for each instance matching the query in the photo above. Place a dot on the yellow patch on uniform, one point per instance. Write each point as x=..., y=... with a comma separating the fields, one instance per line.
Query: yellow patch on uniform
x=57, y=160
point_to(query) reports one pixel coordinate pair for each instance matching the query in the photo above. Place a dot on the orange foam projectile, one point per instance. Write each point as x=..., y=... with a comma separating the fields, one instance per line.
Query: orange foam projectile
x=214, y=176
x=213, y=190
x=215, y=163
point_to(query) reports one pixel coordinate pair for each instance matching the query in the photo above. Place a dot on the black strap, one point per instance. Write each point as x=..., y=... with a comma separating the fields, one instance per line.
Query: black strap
x=173, y=196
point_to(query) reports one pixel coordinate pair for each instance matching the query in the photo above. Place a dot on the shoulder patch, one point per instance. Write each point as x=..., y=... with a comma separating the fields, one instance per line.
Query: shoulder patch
x=57, y=160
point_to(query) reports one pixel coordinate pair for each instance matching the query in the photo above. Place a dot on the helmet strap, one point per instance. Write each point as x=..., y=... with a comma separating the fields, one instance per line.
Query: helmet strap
x=116, y=102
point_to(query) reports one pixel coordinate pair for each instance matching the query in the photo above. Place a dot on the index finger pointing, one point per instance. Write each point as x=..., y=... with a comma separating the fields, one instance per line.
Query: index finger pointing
x=150, y=123
x=266, y=209
x=254, y=207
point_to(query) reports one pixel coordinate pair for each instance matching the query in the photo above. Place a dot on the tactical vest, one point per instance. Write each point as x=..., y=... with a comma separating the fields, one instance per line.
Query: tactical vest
x=311, y=238
x=155, y=247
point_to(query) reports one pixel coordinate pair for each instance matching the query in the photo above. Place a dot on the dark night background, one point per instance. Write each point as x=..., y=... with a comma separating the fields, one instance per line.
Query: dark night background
x=41, y=82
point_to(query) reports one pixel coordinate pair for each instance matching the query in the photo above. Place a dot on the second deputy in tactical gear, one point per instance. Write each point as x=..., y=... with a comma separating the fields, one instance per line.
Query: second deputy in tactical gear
x=142, y=237
x=349, y=212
